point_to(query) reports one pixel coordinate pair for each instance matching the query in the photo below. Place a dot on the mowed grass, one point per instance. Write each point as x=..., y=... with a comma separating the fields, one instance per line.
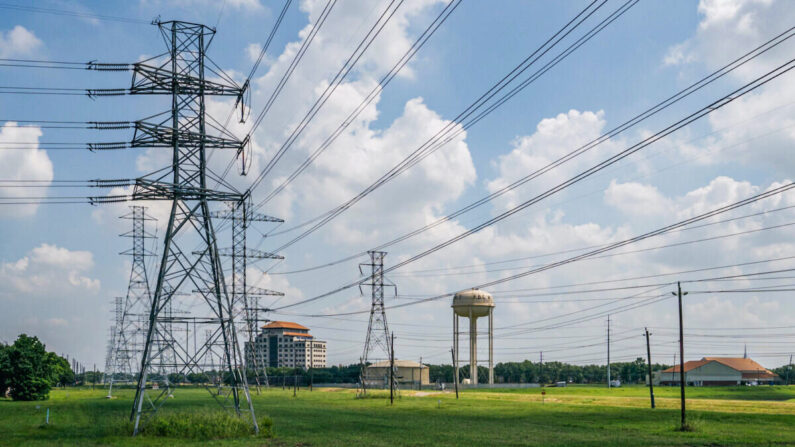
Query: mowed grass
x=333, y=417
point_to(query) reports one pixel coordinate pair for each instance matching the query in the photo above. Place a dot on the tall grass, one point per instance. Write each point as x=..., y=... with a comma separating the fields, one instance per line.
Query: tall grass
x=204, y=425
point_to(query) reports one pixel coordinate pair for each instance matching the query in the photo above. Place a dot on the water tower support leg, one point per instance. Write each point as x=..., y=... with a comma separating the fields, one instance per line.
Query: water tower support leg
x=491, y=346
x=473, y=348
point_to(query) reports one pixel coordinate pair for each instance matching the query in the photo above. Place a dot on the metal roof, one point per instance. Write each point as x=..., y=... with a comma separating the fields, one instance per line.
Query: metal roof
x=284, y=325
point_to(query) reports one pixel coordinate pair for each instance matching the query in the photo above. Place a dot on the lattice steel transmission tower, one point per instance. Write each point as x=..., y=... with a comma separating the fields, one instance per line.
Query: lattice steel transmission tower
x=245, y=298
x=130, y=326
x=377, y=345
x=190, y=262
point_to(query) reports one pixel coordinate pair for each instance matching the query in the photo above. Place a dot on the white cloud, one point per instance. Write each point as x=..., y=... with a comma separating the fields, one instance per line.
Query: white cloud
x=757, y=129
x=24, y=162
x=54, y=295
x=637, y=199
x=18, y=41
x=553, y=138
x=245, y=5
x=46, y=270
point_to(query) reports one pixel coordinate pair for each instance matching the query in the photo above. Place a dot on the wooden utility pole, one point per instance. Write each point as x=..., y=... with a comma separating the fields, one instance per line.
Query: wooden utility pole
x=455, y=375
x=651, y=380
x=392, y=370
x=682, y=381
x=608, y=351
x=789, y=368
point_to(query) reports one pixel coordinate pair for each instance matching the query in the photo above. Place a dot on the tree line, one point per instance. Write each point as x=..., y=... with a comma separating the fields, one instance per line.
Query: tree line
x=506, y=372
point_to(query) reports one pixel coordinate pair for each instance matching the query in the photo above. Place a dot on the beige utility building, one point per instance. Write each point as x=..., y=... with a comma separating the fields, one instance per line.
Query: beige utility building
x=473, y=304
x=407, y=372
x=711, y=371
x=284, y=344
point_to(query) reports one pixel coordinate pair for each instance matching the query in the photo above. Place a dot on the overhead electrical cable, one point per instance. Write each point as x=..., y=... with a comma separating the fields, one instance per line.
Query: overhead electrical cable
x=252, y=72
x=294, y=63
x=428, y=147
x=341, y=74
x=377, y=89
x=704, y=111
x=684, y=93
x=659, y=231
x=68, y=13
x=623, y=253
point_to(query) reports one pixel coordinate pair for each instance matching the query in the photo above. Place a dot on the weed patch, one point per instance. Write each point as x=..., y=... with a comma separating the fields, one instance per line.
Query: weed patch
x=204, y=426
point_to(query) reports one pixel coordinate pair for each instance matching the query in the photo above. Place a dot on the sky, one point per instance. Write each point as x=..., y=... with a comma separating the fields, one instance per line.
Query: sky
x=60, y=267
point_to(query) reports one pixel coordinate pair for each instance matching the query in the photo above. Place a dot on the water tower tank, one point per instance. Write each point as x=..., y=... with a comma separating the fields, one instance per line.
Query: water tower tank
x=477, y=301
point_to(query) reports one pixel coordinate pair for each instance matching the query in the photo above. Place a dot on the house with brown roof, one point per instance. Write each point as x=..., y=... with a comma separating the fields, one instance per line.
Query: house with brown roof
x=711, y=371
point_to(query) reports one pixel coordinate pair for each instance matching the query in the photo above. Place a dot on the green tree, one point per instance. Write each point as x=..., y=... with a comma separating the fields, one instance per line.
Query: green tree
x=60, y=371
x=26, y=369
x=5, y=375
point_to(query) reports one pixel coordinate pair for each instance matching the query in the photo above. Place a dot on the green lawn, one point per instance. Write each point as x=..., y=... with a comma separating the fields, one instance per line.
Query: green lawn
x=566, y=416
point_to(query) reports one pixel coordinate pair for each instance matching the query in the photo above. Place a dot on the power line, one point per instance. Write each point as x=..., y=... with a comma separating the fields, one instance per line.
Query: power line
x=682, y=94
x=663, y=230
x=383, y=82
x=343, y=72
x=428, y=147
x=641, y=250
x=67, y=13
x=716, y=105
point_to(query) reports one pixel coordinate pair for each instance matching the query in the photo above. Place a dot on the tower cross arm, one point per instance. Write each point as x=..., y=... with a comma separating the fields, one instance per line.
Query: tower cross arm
x=158, y=80
x=156, y=135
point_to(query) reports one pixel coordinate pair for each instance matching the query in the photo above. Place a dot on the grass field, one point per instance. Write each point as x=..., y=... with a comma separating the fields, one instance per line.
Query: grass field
x=567, y=416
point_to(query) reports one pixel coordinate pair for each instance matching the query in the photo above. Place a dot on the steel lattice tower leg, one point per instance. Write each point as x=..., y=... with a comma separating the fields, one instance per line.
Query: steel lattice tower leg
x=378, y=338
x=126, y=351
x=194, y=272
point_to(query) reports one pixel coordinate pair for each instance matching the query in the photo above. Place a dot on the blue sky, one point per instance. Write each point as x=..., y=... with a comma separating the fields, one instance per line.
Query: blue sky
x=59, y=264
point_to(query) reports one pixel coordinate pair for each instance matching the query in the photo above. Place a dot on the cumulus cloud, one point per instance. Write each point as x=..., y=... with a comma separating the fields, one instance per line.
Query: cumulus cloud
x=637, y=199
x=245, y=5
x=55, y=295
x=45, y=270
x=640, y=200
x=756, y=129
x=553, y=138
x=27, y=163
x=18, y=41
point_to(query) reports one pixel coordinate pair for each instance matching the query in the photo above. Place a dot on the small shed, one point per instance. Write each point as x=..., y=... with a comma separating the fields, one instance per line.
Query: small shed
x=407, y=371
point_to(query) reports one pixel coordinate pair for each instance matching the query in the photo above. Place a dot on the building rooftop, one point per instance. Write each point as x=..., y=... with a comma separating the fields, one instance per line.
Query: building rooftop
x=748, y=367
x=284, y=325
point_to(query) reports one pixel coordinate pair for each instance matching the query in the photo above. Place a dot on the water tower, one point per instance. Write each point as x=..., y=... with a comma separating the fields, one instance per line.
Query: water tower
x=472, y=304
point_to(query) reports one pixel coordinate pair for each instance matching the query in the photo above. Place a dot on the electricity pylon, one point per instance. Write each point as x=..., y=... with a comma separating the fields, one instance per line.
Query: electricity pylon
x=129, y=326
x=378, y=337
x=180, y=74
x=244, y=297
